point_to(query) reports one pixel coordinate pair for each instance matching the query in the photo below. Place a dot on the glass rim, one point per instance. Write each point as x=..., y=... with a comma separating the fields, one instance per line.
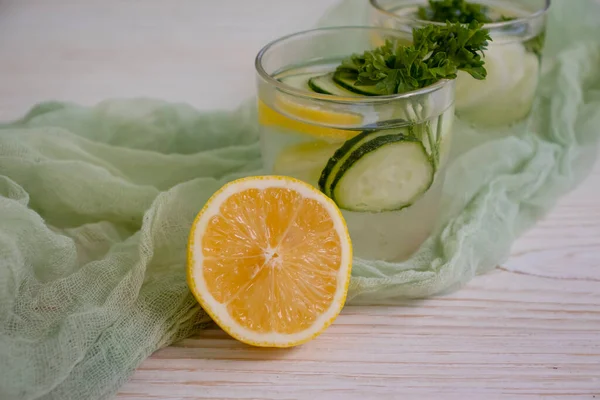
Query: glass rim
x=333, y=98
x=490, y=25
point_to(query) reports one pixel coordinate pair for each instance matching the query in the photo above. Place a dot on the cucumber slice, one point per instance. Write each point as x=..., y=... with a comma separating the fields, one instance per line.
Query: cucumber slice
x=347, y=79
x=297, y=81
x=386, y=173
x=339, y=157
x=324, y=84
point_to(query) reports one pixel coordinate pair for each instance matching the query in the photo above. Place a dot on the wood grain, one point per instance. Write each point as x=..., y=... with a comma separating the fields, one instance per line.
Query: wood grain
x=530, y=329
x=504, y=335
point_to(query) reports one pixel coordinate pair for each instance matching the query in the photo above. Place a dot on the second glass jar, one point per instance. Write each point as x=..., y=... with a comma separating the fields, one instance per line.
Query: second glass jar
x=513, y=58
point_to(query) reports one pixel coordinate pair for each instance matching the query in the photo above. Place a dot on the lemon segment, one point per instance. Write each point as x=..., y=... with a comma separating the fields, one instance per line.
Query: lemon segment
x=267, y=116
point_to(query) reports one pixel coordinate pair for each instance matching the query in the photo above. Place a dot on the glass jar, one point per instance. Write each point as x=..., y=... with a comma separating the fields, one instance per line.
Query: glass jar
x=314, y=137
x=512, y=59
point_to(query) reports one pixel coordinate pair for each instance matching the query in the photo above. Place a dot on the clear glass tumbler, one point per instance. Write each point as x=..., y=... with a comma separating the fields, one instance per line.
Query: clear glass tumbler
x=512, y=59
x=303, y=133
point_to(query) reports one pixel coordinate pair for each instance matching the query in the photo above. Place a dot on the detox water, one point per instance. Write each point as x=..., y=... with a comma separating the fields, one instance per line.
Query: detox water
x=294, y=148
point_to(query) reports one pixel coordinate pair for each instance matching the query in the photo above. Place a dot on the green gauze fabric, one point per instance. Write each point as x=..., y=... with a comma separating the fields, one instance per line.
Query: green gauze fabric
x=96, y=204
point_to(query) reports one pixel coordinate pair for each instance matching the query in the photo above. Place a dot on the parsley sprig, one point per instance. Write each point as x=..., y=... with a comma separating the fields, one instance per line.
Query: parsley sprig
x=454, y=11
x=437, y=52
x=457, y=11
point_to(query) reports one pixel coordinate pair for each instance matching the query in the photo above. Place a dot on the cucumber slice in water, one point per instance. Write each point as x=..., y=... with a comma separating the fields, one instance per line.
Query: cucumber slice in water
x=341, y=155
x=299, y=81
x=347, y=79
x=324, y=84
x=339, y=83
x=387, y=173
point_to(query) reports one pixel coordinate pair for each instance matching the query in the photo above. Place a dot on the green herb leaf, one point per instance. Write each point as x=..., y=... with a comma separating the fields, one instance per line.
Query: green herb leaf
x=437, y=52
x=454, y=11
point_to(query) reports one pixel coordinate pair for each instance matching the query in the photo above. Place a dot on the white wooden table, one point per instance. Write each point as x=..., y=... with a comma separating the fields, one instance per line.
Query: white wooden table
x=531, y=328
